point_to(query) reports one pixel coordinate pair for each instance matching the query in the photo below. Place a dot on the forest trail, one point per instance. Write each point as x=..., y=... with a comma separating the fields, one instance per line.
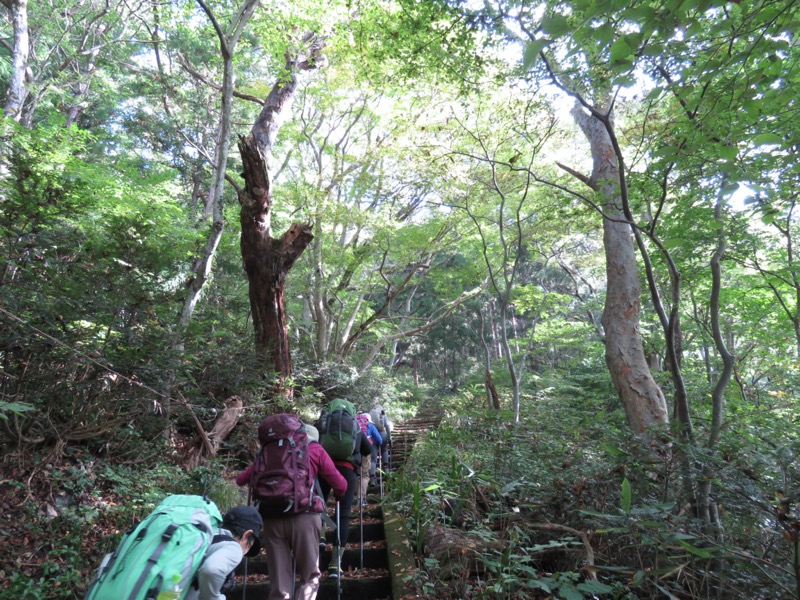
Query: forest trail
x=367, y=569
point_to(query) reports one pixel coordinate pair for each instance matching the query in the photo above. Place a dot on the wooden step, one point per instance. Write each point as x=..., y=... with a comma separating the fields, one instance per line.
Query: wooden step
x=374, y=558
x=372, y=588
x=371, y=574
x=372, y=531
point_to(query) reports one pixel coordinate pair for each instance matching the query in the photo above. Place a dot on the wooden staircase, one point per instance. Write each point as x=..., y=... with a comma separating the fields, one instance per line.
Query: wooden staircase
x=367, y=568
x=405, y=434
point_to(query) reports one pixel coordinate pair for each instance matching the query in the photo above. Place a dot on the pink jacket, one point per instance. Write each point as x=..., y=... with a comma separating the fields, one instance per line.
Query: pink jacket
x=321, y=466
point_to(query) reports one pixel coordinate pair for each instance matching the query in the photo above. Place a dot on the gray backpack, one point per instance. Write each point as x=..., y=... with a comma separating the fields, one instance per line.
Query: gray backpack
x=378, y=418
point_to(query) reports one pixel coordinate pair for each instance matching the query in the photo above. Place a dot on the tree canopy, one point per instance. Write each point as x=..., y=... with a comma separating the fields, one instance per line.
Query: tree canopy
x=211, y=207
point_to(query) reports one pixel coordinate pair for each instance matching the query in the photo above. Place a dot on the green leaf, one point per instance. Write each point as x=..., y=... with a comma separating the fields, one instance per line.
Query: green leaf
x=612, y=449
x=675, y=242
x=765, y=139
x=702, y=553
x=625, y=496
x=620, y=50
x=729, y=188
x=594, y=587
x=540, y=584
x=15, y=407
x=669, y=152
x=532, y=50
x=569, y=592
x=604, y=33
x=728, y=152
x=627, y=80
x=555, y=25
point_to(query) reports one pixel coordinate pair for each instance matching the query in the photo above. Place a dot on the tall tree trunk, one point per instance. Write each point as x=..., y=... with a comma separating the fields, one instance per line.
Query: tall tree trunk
x=203, y=264
x=505, y=346
x=707, y=506
x=322, y=317
x=86, y=70
x=17, y=90
x=492, y=398
x=642, y=398
x=268, y=260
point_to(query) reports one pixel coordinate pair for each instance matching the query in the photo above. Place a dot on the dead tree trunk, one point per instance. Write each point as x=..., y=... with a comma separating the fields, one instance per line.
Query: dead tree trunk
x=207, y=444
x=268, y=260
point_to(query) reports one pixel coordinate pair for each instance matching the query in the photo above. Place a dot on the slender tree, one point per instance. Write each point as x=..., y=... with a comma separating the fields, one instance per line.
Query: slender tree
x=20, y=53
x=203, y=264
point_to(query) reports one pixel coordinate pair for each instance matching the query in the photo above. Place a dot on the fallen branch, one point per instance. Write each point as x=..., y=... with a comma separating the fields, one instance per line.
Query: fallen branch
x=207, y=443
x=589, y=568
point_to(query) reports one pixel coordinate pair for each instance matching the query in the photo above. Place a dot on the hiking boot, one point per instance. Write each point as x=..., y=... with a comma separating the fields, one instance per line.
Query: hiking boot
x=335, y=572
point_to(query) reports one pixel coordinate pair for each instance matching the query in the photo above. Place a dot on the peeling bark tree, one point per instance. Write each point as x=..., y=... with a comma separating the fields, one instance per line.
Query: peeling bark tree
x=17, y=90
x=268, y=260
x=644, y=402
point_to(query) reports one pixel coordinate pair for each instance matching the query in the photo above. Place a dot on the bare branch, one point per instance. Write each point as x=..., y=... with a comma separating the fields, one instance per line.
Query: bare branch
x=579, y=176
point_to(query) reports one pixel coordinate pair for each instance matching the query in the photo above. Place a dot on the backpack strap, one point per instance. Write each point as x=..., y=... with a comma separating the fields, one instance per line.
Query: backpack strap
x=293, y=453
x=228, y=583
x=221, y=537
x=326, y=519
x=165, y=538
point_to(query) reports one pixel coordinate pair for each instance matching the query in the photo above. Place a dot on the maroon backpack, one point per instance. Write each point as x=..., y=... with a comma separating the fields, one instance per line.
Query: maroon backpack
x=282, y=480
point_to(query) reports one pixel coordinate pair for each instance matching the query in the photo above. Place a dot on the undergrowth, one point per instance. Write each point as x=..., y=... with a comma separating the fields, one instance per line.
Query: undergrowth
x=566, y=504
x=64, y=520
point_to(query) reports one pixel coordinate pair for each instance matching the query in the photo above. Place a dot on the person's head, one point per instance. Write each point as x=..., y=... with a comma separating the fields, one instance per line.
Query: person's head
x=367, y=415
x=312, y=432
x=244, y=523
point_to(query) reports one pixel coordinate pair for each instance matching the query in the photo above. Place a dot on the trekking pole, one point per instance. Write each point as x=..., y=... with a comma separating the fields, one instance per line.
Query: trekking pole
x=338, y=557
x=380, y=473
x=361, y=522
x=294, y=575
x=244, y=578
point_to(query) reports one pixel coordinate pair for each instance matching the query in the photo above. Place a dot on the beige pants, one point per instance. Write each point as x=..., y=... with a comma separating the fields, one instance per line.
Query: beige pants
x=293, y=538
x=366, y=461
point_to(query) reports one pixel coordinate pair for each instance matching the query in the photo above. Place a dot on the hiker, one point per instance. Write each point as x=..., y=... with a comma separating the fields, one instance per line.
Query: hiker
x=184, y=541
x=292, y=519
x=343, y=440
x=369, y=462
x=384, y=427
x=237, y=537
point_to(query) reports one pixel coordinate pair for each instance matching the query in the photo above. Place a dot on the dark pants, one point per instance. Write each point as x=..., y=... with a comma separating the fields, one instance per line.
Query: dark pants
x=385, y=455
x=374, y=460
x=345, y=502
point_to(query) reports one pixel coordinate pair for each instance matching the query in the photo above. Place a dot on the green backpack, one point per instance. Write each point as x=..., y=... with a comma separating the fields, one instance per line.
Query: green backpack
x=158, y=558
x=338, y=429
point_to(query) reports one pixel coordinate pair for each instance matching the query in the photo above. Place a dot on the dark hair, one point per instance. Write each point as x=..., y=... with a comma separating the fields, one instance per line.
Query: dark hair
x=237, y=531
